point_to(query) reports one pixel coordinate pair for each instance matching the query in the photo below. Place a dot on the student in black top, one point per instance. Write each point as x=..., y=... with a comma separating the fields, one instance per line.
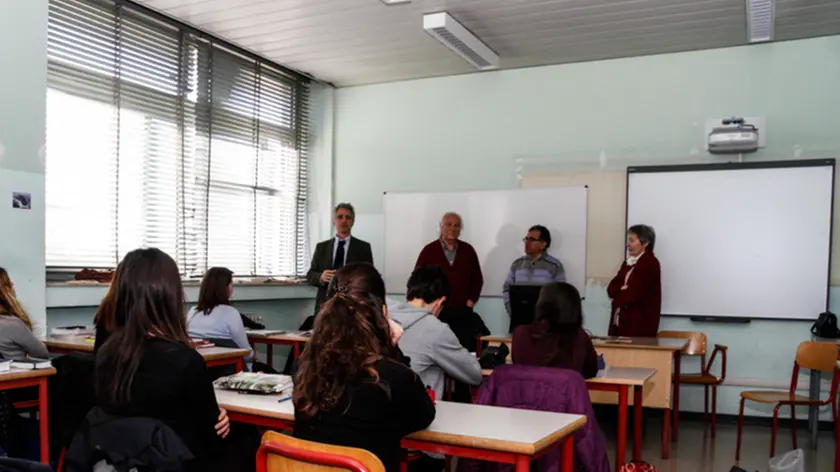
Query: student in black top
x=350, y=389
x=147, y=366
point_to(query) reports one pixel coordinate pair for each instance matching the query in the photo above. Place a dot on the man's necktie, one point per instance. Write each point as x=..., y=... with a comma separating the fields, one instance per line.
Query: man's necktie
x=338, y=263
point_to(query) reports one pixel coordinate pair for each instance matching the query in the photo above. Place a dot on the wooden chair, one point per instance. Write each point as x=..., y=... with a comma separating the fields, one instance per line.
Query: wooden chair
x=821, y=356
x=697, y=347
x=281, y=453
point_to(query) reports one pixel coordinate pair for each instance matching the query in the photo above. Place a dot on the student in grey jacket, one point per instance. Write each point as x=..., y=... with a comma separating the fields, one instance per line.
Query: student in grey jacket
x=429, y=343
x=16, y=338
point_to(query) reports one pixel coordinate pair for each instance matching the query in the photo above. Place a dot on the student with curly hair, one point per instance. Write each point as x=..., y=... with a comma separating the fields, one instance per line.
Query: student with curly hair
x=350, y=387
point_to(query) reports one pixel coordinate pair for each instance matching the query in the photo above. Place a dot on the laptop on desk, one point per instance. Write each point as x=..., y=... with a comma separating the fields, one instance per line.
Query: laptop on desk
x=523, y=304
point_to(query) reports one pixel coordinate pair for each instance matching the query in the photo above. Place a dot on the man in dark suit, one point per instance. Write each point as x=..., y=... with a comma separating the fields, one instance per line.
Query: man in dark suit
x=335, y=253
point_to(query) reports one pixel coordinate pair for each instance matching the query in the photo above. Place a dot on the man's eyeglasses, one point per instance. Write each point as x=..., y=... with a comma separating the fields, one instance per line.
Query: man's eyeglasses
x=530, y=240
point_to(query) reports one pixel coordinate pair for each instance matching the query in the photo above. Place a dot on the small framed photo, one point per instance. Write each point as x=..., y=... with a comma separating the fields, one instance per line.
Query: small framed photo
x=22, y=200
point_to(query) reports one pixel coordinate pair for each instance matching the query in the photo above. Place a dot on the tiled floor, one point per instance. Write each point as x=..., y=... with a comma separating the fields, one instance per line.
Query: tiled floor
x=696, y=451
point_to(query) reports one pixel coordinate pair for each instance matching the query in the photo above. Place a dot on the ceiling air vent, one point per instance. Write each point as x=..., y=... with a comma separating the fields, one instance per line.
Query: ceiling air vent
x=760, y=18
x=453, y=35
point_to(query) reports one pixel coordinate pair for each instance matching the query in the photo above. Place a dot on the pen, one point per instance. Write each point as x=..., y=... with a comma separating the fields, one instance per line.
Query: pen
x=287, y=397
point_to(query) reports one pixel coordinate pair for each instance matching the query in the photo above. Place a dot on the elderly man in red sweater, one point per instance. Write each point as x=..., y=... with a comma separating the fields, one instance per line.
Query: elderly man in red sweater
x=458, y=260
x=460, y=263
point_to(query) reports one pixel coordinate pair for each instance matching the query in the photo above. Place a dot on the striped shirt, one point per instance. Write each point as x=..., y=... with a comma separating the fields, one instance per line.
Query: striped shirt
x=526, y=271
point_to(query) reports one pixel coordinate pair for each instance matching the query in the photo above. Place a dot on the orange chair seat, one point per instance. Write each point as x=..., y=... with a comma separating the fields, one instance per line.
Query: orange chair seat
x=698, y=378
x=774, y=396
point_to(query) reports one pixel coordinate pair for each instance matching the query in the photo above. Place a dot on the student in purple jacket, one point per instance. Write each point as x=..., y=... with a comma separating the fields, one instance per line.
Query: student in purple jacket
x=556, y=338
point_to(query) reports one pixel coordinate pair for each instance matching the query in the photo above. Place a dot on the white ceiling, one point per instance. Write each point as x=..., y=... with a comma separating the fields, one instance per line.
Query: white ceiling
x=352, y=42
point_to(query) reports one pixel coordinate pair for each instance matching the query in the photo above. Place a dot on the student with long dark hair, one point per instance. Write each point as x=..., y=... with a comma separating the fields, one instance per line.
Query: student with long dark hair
x=556, y=338
x=16, y=338
x=104, y=319
x=213, y=317
x=147, y=367
x=349, y=388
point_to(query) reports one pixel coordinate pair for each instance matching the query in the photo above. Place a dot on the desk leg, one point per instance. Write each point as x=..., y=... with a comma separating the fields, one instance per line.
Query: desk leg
x=621, y=443
x=295, y=351
x=239, y=364
x=837, y=445
x=567, y=455
x=523, y=464
x=43, y=420
x=666, y=433
x=637, y=424
x=677, y=359
x=814, y=411
x=269, y=354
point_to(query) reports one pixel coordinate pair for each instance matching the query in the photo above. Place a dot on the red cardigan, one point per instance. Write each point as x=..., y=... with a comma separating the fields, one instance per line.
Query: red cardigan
x=464, y=275
x=640, y=303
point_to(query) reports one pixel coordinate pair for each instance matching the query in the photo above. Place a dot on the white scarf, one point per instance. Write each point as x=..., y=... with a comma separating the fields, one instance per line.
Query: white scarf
x=632, y=260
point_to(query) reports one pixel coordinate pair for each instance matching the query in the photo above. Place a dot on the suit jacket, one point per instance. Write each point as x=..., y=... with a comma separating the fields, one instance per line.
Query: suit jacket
x=322, y=259
x=639, y=305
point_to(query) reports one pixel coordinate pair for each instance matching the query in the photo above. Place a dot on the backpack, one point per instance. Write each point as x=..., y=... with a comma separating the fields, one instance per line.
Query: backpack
x=826, y=326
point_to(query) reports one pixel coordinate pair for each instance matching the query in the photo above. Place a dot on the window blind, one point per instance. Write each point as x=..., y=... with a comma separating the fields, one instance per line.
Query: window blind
x=159, y=136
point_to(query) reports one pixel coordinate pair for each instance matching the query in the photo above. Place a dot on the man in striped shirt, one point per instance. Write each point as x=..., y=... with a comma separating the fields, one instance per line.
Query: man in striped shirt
x=536, y=267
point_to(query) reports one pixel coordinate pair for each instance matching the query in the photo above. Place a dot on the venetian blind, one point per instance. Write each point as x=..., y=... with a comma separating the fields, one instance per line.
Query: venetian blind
x=158, y=136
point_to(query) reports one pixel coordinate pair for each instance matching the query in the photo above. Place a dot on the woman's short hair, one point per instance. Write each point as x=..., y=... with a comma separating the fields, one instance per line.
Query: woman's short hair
x=645, y=234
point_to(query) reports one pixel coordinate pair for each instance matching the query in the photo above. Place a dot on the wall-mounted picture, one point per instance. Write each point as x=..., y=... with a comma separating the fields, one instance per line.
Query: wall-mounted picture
x=22, y=200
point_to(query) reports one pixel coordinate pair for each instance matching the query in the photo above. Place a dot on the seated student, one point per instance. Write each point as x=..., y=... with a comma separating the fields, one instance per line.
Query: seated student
x=213, y=317
x=431, y=345
x=556, y=338
x=350, y=390
x=147, y=366
x=16, y=338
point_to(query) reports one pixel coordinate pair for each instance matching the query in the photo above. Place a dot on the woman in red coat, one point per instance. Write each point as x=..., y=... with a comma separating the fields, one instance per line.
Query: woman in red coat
x=636, y=291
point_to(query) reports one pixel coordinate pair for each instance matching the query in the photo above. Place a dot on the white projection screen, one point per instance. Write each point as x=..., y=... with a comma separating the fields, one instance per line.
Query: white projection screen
x=747, y=240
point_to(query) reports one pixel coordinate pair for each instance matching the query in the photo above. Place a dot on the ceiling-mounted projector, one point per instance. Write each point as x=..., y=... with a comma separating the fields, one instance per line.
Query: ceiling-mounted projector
x=733, y=136
x=460, y=40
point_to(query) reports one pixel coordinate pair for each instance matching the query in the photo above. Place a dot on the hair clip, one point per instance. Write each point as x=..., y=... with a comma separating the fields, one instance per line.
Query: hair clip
x=342, y=287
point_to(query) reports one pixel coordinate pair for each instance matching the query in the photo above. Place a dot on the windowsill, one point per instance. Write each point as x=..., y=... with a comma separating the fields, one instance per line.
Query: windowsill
x=66, y=295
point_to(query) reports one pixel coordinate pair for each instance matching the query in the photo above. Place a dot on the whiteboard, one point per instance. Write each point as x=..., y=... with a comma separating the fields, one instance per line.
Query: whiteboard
x=494, y=223
x=749, y=240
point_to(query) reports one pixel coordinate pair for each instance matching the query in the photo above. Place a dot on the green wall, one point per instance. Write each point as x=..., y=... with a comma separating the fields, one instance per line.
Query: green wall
x=491, y=130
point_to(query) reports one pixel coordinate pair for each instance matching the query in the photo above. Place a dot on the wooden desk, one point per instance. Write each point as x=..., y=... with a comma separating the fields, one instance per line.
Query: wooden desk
x=33, y=378
x=214, y=356
x=621, y=380
x=287, y=339
x=473, y=431
x=66, y=345
x=260, y=410
x=661, y=354
x=489, y=433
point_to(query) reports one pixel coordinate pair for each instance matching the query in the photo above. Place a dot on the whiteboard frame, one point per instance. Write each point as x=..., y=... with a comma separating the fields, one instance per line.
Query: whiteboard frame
x=827, y=162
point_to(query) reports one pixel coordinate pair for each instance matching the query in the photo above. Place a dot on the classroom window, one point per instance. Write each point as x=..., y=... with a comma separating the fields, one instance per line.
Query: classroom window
x=160, y=136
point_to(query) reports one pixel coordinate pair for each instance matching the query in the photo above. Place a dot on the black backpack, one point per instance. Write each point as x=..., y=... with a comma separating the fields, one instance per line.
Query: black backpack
x=826, y=326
